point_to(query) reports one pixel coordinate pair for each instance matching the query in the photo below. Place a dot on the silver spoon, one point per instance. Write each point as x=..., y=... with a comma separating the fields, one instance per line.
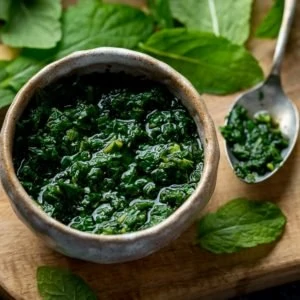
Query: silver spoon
x=269, y=96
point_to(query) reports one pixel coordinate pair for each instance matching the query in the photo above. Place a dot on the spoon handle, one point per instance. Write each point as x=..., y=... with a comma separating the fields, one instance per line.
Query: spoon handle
x=286, y=24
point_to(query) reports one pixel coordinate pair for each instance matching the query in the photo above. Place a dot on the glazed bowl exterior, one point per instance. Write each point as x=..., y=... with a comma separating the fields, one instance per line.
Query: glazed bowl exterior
x=121, y=247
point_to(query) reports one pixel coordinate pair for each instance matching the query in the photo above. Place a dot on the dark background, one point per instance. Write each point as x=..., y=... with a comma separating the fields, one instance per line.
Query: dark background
x=290, y=291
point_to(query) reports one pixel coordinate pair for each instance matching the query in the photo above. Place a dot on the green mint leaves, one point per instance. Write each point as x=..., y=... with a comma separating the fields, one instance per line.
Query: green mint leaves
x=206, y=44
x=54, y=283
x=240, y=224
x=84, y=26
x=15, y=74
x=102, y=25
x=269, y=28
x=226, y=18
x=32, y=24
x=212, y=64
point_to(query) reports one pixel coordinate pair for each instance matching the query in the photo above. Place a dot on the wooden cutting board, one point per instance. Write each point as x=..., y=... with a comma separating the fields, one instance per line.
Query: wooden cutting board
x=182, y=270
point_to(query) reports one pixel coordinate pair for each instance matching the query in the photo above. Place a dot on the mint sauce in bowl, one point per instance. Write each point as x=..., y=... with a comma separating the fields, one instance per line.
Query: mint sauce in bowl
x=108, y=179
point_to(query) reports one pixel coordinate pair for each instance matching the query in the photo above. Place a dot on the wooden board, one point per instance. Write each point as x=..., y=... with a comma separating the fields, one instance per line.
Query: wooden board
x=182, y=270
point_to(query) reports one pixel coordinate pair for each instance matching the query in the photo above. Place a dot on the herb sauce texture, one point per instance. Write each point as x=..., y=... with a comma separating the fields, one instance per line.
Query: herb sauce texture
x=256, y=143
x=107, y=153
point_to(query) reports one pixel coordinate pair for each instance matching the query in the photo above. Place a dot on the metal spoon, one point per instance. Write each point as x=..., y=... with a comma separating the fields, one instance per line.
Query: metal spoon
x=269, y=96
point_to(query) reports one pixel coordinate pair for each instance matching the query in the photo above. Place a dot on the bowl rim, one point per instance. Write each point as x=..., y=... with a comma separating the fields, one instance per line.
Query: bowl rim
x=211, y=149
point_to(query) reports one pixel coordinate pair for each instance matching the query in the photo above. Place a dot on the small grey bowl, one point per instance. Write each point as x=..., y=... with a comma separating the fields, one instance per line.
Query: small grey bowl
x=122, y=247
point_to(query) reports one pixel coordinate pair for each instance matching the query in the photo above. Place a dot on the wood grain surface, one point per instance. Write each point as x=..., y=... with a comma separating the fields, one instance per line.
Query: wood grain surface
x=182, y=270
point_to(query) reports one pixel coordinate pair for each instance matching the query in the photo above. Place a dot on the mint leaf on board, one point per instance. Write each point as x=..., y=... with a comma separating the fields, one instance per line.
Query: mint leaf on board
x=239, y=224
x=212, y=64
x=32, y=24
x=55, y=283
x=269, y=27
x=229, y=18
x=160, y=9
x=5, y=9
x=100, y=25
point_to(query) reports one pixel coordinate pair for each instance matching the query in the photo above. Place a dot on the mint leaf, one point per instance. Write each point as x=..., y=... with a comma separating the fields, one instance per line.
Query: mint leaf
x=3, y=65
x=212, y=64
x=100, y=25
x=6, y=96
x=13, y=75
x=240, y=224
x=54, y=283
x=269, y=27
x=32, y=24
x=226, y=18
x=5, y=9
x=19, y=71
x=160, y=9
x=112, y=25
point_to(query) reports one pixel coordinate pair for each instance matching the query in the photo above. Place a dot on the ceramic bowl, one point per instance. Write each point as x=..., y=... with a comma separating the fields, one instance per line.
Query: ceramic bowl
x=110, y=248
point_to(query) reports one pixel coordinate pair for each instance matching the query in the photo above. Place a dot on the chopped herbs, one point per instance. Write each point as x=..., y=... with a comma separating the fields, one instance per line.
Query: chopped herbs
x=107, y=153
x=256, y=143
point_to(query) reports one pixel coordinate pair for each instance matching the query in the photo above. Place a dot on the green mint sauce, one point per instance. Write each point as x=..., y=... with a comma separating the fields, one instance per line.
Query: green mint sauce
x=107, y=153
x=256, y=143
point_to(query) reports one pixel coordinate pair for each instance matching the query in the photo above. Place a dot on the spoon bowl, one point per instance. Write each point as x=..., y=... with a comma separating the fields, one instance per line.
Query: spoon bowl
x=270, y=97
